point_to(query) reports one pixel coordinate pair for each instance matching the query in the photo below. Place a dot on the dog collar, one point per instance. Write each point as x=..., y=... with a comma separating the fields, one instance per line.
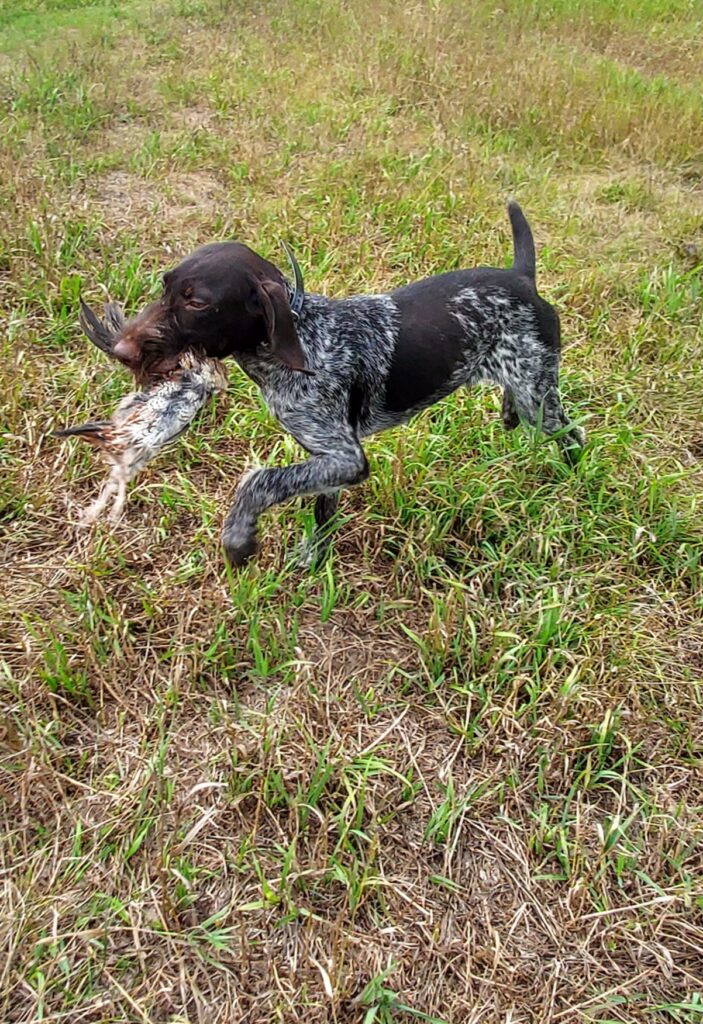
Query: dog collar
x=298, y=296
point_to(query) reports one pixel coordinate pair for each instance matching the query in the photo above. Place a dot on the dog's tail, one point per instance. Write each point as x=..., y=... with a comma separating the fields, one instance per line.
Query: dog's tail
x=523, y=243
x=93, y=431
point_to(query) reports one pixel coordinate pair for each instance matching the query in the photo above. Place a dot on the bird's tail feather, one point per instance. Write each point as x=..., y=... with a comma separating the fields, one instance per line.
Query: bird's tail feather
x=90, y=431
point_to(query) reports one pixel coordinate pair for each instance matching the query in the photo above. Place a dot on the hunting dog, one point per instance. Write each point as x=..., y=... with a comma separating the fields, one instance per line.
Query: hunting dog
x=334, y=371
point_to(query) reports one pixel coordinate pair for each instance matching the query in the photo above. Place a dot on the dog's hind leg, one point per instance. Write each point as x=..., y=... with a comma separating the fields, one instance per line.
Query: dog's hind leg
x=570, y=437
x=538, y=403
x=313, y=550
x=532, y=395
x=509, y=413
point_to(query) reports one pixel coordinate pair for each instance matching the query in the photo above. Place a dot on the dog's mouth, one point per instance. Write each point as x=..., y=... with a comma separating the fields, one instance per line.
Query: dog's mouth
x=148, y=372
x=155, y=365
x=149, y=355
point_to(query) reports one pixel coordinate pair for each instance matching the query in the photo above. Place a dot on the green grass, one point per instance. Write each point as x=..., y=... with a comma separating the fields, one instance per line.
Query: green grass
x=454, y=775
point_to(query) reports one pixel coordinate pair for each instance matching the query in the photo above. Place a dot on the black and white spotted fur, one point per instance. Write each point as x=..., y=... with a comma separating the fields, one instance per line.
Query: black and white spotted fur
x=343, y=369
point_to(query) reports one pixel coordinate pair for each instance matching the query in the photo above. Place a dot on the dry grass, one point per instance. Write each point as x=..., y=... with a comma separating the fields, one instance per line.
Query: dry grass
x=454, y=776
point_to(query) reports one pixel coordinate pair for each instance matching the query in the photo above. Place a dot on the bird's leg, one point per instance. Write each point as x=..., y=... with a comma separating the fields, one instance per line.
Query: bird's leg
x=93, y=511
x=118, y=507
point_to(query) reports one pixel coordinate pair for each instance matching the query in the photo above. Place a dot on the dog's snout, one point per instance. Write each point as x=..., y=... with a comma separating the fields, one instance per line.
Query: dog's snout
x=127, y=351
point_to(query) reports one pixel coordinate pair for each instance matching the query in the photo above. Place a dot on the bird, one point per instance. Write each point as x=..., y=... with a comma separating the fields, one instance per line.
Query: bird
x=143, y=422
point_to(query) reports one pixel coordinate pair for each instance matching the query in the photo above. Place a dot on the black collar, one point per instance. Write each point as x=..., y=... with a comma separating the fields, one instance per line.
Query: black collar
x=298, y=296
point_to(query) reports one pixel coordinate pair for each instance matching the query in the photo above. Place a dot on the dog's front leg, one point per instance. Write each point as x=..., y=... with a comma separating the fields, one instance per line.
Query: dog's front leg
x=323, y=473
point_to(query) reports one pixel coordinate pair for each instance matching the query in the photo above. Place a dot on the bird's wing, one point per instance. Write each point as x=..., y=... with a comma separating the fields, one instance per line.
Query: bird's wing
x=166, y=412
x=129, y=406
x=102, y=333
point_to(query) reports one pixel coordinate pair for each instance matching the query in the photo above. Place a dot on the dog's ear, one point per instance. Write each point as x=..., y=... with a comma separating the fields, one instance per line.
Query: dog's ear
x=283, y=338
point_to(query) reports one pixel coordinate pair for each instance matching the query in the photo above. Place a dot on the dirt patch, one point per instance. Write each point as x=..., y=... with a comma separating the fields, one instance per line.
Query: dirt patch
x=197, y=191
x=126, y=198
x=196, y=117
x=125, y=194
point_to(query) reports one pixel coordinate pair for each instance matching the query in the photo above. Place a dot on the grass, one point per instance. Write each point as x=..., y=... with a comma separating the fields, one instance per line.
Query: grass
x=454, y=775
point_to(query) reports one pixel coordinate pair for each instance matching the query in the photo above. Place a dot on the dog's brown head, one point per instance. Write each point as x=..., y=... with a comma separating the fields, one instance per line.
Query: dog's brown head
x=221, y=300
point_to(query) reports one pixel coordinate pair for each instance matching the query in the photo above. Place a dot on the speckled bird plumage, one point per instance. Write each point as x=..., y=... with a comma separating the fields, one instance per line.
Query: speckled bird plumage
x=144, y=422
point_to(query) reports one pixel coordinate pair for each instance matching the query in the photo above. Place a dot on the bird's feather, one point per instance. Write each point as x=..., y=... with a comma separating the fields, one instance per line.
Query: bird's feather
x=103, y=333
x=94, y=430
x=114, y=317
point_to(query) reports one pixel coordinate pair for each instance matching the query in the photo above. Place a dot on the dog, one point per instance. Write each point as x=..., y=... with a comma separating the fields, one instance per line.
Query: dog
x=334, y=371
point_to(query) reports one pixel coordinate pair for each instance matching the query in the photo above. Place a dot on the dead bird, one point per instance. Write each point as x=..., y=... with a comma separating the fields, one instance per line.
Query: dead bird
x=145, y=421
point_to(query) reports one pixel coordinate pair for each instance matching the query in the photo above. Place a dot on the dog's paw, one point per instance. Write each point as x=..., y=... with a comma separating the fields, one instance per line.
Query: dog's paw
x=304, y=554
x=580, y=435
x=311, y=553
x=573, y=445
x=239, y=548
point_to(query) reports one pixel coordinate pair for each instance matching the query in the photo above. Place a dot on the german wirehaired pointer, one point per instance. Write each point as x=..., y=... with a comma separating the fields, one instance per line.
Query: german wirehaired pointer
x=334, y=371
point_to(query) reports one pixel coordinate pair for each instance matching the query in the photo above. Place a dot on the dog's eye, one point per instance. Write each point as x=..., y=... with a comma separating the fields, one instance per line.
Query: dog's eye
x=191, y=301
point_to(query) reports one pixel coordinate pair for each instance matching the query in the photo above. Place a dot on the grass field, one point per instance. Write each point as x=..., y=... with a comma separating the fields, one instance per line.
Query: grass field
x=455, y=775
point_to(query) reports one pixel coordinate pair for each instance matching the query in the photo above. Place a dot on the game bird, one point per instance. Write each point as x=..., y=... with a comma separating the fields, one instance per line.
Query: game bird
x=144, y=421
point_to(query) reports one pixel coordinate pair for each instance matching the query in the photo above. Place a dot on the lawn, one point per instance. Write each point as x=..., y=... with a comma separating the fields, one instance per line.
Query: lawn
x=455, y=774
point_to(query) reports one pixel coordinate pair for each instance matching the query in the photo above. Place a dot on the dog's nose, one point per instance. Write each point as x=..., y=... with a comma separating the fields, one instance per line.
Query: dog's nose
x=127, y=351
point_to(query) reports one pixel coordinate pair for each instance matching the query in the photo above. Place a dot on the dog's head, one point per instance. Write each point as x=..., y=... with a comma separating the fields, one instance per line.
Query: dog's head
x=222, y=300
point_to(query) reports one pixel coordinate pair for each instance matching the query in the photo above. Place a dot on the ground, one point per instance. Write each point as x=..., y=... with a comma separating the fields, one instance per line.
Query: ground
x=455, y=775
